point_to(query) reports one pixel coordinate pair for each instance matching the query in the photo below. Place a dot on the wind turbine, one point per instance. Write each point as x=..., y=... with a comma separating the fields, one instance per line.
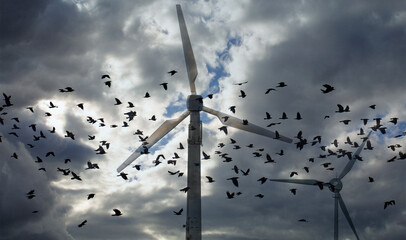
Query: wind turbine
x=194, y=107
x=334, y=185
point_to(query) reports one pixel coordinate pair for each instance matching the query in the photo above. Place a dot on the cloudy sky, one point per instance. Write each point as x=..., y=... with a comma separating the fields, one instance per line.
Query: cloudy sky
x=358, y=47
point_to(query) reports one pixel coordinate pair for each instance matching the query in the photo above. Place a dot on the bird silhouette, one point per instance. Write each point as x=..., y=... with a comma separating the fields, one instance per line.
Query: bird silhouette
x=389, y=203
x=240, y=83
x=117, y=212
x=298, y=116
x=269, y=90
x=328, y=88
x=230, y=195
x=341, y=109
x=205, y=156
x=164, y=85
x=210, y=179
x=224, y=129
x=262, y=180
x=82, y=223
x=292, y=174
x=107, y=83
x=267, y=116
x=282, y=84
x=52, y=105
x=232, y=109
x=259, y=195
x=105, y=76
x=90, y=196
x=80, y=105
x=178, y=212
x=234, y=180
x=284, y=116
x=118, y=102
x=123, y=175
x=172, y=72
x=75, y=176
x=245, y=173
x=293, y=190
x=147, y=95
x=345, y=121
x=370, y=179
x=242, y=95
x=185, y=189
x=7, y=100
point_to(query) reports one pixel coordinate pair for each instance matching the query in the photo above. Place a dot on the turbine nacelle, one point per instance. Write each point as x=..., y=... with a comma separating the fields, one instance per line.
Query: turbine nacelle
x=335, y=185
x=194, y=103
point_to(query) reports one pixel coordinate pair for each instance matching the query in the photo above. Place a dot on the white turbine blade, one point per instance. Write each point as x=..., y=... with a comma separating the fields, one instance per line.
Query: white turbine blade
x=250, y=127
x=299, y=181
x=353, y=159
x=347, y=216
x=187, y=50
x=164, y=129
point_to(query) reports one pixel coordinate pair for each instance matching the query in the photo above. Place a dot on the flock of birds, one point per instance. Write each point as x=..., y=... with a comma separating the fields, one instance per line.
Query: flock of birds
x=39, y=135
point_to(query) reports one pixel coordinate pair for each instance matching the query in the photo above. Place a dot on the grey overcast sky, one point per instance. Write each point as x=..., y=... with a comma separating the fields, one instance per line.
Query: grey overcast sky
x=358, y=47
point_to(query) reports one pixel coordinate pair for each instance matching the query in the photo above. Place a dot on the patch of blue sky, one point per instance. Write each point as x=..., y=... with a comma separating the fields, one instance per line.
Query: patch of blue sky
x=175, y=107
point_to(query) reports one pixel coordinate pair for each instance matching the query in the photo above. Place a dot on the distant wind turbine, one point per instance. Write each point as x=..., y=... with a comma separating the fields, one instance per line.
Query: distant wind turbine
x=335, y=185
x=194, y=107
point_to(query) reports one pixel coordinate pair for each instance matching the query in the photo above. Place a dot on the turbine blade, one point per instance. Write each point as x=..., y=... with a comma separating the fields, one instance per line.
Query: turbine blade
x=238, y=123
x=165, y=128
x=349, y=165
x=299, y=181
x=347, y=216
x=187, y=50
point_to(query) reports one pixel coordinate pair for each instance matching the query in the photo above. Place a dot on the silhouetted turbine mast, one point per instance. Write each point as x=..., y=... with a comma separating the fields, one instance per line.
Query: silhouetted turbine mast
x=335, y=185
x=194, y=106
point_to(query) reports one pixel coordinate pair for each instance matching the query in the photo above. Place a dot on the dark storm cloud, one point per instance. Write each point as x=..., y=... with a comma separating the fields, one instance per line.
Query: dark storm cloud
x=356, y=47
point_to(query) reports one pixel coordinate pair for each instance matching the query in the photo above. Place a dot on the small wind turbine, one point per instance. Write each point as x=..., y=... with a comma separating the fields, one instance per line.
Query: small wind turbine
x=194, y=106
x=335, y=185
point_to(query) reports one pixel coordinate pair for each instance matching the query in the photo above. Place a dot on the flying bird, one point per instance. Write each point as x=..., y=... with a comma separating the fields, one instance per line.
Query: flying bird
x=80, y=105
x=52, y=105
x=75, y=176
x=284, y=116
x=108, y=83
x=82, y=223
x=232, y=109
x=230, y=195
x=205, y=156
x=164, y=85
x=123, y=175
x=240, y=83
x=269, y=90
x=118, y=102
x=328, y=88
x=282, y=84
x=224, y=129
x=210, y=179
x=178, y=212
x=105, y=76
x=234, y=180
x=117, y=212
x=7, y=101
x=243, y=95
x=262, y=180
x=172, y=72
x=147, y=95
x=389, y=203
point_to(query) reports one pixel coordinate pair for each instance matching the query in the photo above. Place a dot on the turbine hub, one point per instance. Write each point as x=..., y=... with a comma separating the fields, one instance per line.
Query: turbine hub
x=194, y=103
x=335, y=185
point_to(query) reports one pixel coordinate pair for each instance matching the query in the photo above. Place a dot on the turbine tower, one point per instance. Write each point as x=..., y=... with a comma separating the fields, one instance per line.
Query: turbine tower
x=194, y=107
x=334, y=185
